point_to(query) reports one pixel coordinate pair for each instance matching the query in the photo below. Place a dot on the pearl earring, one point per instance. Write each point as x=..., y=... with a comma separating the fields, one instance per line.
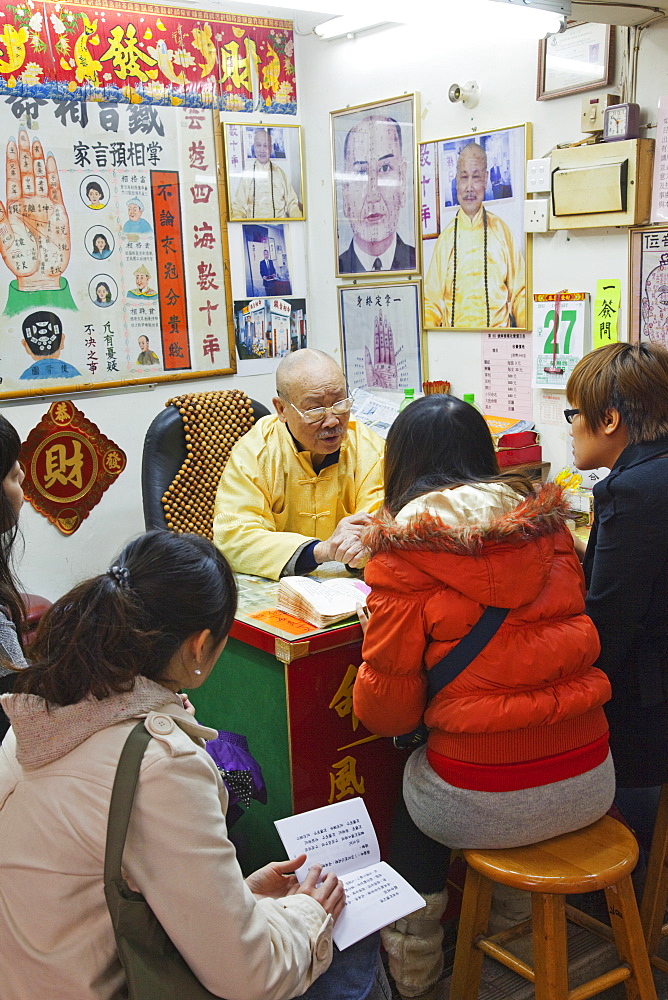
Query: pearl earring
x=198, y=672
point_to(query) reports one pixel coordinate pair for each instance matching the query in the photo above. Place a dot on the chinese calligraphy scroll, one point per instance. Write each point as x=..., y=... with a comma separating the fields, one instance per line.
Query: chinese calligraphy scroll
x=136, y=53
x=606, y=312
x=112, y=257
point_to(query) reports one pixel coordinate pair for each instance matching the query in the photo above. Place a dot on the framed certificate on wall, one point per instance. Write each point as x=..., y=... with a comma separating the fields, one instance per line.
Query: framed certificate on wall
x=575, y=60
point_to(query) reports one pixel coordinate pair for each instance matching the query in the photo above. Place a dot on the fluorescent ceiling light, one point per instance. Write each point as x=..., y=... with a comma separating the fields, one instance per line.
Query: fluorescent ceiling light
x=349, y=24
x=562, y=7
x=545, y=17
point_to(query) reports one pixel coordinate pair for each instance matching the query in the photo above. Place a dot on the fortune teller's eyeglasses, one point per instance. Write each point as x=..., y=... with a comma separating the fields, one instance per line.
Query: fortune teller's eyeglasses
x=569, y=414
x=318, y=413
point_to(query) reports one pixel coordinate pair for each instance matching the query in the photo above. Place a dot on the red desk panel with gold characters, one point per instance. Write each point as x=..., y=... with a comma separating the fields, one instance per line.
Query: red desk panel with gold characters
x=333, y=755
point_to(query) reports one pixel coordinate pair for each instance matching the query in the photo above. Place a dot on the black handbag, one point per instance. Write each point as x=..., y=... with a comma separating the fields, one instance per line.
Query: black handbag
x=153, y=967
x=452, y=664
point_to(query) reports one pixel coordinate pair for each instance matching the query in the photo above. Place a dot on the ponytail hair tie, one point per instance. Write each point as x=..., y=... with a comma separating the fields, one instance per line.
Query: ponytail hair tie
x=121, y=576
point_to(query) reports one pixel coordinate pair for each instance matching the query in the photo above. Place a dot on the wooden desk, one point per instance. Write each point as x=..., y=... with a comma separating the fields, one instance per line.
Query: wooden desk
x=290, y=694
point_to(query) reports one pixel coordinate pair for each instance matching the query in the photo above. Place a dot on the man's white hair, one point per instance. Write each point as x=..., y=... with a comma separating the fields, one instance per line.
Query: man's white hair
x=295, y=363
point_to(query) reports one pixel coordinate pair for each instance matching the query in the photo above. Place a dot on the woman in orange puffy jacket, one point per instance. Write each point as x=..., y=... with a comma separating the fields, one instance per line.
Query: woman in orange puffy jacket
x=518, y=742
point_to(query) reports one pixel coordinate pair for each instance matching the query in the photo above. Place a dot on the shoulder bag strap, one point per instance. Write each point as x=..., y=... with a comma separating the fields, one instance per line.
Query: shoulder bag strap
x=466, y=650
x=122, y=797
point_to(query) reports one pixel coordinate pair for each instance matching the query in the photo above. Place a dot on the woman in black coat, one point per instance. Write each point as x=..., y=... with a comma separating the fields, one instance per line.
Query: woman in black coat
x=619, y=396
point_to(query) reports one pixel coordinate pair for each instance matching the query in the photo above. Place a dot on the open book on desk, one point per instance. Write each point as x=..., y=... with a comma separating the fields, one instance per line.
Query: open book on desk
x=320, y=602
x=342, y=839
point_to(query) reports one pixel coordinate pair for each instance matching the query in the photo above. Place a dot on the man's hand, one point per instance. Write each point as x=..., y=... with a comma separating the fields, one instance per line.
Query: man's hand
x=277, y=879
x=34, y=227
x=382, y=373
x=345, y=545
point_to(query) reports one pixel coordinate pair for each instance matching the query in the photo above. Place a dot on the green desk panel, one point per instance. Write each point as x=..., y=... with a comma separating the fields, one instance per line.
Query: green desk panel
x=245, y=693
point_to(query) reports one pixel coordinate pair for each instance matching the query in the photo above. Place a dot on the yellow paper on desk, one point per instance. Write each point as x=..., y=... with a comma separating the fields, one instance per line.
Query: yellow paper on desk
x=498, y=425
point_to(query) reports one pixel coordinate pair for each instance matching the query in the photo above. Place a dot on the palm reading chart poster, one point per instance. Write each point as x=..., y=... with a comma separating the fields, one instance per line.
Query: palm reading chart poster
x=381, y=335
x=112, y=264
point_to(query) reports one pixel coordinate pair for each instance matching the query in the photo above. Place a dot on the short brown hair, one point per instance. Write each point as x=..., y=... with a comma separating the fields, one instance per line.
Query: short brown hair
x=629, y=378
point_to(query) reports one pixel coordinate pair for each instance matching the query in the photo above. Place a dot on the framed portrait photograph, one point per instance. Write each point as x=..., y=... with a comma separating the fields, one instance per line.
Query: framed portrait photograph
x=381, y=335
x=264, y=171
x=266, y=330
x=648, y=279
x=575, y=60
x=375, y=204
x=474, y=249
x=267, y=262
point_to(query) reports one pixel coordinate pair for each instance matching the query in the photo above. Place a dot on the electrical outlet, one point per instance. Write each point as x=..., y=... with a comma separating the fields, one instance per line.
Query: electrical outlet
x=536, y=215
x=538, y=175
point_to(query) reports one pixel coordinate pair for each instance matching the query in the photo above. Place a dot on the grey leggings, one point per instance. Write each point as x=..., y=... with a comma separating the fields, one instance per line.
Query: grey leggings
x=436, y=816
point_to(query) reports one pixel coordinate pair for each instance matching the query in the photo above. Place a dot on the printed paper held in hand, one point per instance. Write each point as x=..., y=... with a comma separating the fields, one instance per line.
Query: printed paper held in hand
x=320, y=602
x=341, y=837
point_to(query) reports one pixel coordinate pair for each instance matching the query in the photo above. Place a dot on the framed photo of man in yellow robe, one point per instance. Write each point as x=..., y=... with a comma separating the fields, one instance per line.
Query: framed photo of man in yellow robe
x=474, y=249
x=264, y=171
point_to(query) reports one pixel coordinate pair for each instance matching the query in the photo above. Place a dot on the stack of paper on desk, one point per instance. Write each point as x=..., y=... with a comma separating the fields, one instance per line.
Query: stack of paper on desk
x=320, y=602
x=342, y=839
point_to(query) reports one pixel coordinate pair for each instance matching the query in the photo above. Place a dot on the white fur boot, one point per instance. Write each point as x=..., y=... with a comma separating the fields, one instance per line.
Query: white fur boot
x=415, y=948
x=509, y=907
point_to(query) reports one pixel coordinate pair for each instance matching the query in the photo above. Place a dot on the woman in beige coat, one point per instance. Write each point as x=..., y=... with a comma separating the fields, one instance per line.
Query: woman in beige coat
x=115, y=649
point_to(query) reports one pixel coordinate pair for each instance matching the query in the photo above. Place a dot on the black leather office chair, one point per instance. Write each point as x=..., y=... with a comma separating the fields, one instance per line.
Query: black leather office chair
x=200, y=463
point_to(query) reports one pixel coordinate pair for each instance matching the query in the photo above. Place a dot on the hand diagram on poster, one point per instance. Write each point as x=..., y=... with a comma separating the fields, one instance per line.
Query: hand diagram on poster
x=382, y=372
x=34, y=227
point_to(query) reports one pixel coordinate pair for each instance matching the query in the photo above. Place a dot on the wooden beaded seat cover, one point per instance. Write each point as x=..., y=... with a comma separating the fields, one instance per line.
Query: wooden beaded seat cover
x=212, y=423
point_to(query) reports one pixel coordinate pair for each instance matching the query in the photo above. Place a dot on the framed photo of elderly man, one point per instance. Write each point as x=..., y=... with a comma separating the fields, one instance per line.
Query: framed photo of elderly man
x=375, y=204
x=264, y=171
x=474, y=249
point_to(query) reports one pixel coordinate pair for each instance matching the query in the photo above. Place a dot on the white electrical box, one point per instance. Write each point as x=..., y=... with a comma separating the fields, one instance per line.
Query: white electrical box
x=592, y=111
x=606, y=184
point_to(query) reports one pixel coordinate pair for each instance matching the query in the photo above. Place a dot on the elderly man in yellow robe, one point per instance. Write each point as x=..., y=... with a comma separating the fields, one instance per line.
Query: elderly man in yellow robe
x=264, y=192
x=477, y=277
x=299, y=487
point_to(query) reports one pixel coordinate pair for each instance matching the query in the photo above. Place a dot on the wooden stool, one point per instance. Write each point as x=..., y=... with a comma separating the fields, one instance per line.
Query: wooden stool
x=655, y=893
x=602, y=856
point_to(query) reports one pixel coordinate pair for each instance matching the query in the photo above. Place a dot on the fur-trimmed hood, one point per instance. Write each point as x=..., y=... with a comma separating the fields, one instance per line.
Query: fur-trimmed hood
x=505, y=570
x=541, y=513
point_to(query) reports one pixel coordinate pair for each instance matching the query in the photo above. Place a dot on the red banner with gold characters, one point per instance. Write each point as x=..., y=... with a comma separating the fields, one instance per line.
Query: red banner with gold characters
x=135, y=53
x=68, y=465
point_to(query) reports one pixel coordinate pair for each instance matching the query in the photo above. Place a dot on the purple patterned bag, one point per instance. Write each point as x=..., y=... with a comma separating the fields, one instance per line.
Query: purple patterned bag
x=239, y=770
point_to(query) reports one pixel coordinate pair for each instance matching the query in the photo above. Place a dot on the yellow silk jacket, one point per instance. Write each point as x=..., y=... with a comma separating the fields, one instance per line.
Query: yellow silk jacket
x=270, y=501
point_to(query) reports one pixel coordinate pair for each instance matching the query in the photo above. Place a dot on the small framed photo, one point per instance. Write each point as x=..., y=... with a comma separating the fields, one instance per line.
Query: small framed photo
x=375, y=204
x=264, y=171
x=575, y=60
x=474, y=248
x=381, y=335
x=267, y=266
x=648, y=280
